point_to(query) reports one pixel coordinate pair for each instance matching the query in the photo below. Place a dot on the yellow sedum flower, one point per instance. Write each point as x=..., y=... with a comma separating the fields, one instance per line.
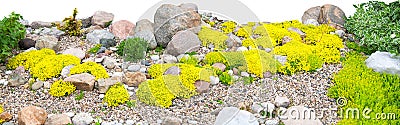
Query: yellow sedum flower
x=29, y=59
x=228, y=27
x=208, y=36
x=52, y=65
x=93, y=68
x=61, y=88
x=116, y=95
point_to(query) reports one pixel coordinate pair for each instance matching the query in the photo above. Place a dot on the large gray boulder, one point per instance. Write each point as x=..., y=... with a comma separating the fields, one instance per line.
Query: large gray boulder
x=144, y=25
x=326, y=14
x=384, y=62
x=235, y=116
x=170, y=19
x=183, y=42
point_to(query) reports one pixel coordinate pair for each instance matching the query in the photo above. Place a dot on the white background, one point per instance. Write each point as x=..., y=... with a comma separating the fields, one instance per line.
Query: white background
x=132, y=10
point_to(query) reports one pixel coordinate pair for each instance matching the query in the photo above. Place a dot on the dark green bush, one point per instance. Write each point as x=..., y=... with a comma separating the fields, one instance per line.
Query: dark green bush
x=135, y=49
x=11, y=31
x=377, y=26
x=363, y=88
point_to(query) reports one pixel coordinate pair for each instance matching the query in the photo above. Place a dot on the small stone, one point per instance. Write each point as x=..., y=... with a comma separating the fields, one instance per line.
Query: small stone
x=272, y=122
x=241, y=49
x=104, y=84
x=32, y=115
x=235, y=116
x=219, y=66
x=131, y=93
x=99, y=60
x=155, y=57
x=131, y=88
x=37, y=85
x=214, y=80
x=281, y=101
x=134, y=68
x=130, y=122
x=268, y=106
x=340, y=33
x=134, y=78
x=109, y=62
x=101, y=96
x=66, y=70
x=244, y=74
x=172, y=121
x=174, y=70
x=70, y=114
x=82, y=119
x=202, y=86
x=169, y=58
x=46, y=85
x=256, y=108
x=107, y=43
x=50, y=42
x=102, y=18
x=60, y=119
x=268, y=50
x=230, y=72
x=8, y=72
x=83, y=81
x=8, y=123
x=235, y=71
x=16, y=80
x=192, y=122
x=6, y=116
x=267, y=74
x=75, y=52
x=143, y=70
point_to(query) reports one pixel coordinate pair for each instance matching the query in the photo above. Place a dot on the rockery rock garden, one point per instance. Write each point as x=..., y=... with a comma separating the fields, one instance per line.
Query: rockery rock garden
x=188, y=67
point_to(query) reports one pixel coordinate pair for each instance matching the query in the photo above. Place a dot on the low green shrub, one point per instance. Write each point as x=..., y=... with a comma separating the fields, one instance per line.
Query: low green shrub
x=134, y=49
x=95, y=49
x=226, y=79
x=116, y=95
x=376, y=24
x=363, y=88
x=11, y=31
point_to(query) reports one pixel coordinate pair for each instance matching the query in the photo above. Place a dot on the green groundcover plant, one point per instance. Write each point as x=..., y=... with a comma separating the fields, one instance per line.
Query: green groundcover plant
x=373, y=94
x=377, y=26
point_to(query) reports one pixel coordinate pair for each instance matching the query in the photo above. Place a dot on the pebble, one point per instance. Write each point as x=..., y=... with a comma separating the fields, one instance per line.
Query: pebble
x=214, y=80
x=143, y=70
x=101, y=96
x=244, y=74
x=8, y=72
x=155, y=57
x=131, y=93
x=46, y=85
x=272, y=122
x=131, y=88
x=130, y=122
x=192, y=122
x=230, y=72
x=134, y=68
x=70, y=114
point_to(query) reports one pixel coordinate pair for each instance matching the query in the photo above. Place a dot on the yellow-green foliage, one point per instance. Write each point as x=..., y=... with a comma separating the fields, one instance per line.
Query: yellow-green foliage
x=259, y=61
x=155, y=92
x=176, y=87
x=263, y=41
x=71, y=25
x=61, y=88
x=157, y=70
x=363, y=88
x=1, y=111
x=248, y=42
x=254, y=61
x=208, y=36
x=52, y=65
x=116, y=95
x=189, y=60
x=228, y=27
x=245, y=32
x=93, y=68
x=304, y=54
x=29, y=59
x=164, y=88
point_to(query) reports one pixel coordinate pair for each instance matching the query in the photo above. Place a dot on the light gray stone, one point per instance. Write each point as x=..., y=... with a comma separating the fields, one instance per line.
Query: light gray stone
x=256, y=108
x=102, y=18
x=244, y=74
x=148, y=36
x=169, y=58
x=183, y=42
x=109, y=62
x=50, y=42
x=60, y=119
x=82, y=119
x=134, y=68
x=66, y=70
x=241, y=49
x=171, y=121
x=281, y=101
x=154, y=57
x=144, y=25
x=75, y=52
x=95, y=36
x=37, y=85
x=104, y=84
x=214, y=80
x=234, y=116
x=384, y=62
x=340, y=33
x=281, y=59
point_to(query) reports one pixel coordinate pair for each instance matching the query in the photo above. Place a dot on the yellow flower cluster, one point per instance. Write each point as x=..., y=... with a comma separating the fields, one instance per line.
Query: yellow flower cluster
x=254, y=61
x=259, y=61
x=29, y=59
x=208, y=36
x=304, y=54
x=228, y=27
x=155, y=92
x=52, y=65
x=245, y=32
x=93, y=68
x=164, y=88
x=116, y=95
x=61, y=88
